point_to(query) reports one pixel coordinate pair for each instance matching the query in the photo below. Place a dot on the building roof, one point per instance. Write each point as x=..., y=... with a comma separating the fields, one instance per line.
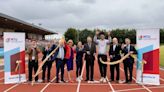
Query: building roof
x=17, y=24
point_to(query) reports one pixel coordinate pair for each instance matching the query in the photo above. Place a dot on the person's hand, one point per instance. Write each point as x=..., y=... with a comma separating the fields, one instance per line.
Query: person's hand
x=88, y=52
x=97, y=32
x=108, y=33
x=111, y=56
x=131, y=52
x=123, y=46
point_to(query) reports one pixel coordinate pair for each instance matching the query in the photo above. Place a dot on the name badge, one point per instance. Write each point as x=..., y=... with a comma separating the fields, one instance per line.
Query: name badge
x=33, y=57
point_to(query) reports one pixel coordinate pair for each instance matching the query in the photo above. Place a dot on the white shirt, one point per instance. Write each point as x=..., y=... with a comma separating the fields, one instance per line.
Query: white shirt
x=102, y=46
x=114, y=47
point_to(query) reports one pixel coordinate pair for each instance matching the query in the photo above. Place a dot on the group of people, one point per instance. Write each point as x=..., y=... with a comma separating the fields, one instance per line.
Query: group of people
x=96, y=48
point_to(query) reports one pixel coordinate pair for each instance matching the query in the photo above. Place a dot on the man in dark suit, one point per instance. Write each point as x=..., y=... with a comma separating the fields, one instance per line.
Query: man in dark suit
x=114, y=53
x=47, y=64
x=90, y=50
x=128, y=62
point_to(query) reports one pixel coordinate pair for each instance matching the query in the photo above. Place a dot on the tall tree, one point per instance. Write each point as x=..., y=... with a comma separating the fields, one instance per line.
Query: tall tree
x=71, y=33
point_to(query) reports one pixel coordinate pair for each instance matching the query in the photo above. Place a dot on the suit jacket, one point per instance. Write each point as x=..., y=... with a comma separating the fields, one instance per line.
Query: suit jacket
x=54, y=57
x=115, y=53
x=125, y=51
x=30, y=53
x=45, y=53
x=91, y=50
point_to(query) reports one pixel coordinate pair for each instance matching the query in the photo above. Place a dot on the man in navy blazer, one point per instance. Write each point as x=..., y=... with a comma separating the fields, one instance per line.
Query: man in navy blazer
x=59, y=57
x=128, y=62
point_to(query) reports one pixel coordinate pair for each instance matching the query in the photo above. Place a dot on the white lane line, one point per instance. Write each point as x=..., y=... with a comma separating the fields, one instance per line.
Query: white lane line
x=47, y=84
x=137, y=89
x=110, y=85
x=78, y=86
x=11, y=87
x=161, y=79
x=141, y=84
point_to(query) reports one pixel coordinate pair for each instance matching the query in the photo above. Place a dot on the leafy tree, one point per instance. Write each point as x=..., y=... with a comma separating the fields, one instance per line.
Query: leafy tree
x=71, y=33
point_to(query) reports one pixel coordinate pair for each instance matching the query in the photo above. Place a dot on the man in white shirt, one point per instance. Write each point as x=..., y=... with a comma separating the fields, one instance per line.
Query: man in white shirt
x=103, y=49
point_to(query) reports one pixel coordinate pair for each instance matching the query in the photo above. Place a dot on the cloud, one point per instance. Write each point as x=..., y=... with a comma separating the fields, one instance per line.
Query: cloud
x=58, y=15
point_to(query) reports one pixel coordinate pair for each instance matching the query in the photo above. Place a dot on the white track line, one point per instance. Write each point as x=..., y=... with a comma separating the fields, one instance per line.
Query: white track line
x=47, y=84
x=110, y=85
x=78, y=86
x=141, y=84
x=134, y=89
x=161, y=79
x=11, y=87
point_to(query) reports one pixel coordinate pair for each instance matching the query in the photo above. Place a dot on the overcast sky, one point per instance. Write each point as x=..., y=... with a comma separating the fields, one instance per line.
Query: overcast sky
x=58, y=15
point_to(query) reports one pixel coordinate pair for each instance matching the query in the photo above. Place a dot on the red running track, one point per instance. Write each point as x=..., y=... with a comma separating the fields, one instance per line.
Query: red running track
x=83, y=86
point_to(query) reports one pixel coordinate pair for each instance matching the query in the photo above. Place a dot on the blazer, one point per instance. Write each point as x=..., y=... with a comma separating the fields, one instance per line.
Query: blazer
x=115, y=54
x=91, y=50
x=29, y=52
x=125, y=51
x=54, y=57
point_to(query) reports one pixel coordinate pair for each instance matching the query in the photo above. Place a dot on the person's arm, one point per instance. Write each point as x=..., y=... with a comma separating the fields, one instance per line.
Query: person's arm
x=95, y=39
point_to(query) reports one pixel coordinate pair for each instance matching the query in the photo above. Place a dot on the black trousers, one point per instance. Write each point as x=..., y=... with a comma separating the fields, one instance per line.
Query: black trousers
x=79, y=65
x=102, y=67
x=48, y=66
x=89, y=68
x=60, y=66
x=32, y=65
x=112, y=71
x=128, y=67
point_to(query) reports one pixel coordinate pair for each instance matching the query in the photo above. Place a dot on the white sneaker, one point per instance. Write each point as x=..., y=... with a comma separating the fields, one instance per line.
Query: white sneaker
x=80, y=77
x=77, y=79
x=101, y=79
x=104, y=81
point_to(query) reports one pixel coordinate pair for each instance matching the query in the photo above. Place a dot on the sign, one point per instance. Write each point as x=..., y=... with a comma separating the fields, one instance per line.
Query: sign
x=14, y=57
x=148, y=50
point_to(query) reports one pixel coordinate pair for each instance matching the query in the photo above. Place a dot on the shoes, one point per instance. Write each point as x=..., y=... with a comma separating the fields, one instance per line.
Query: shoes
x=77, y=79
x=62, y=81
x=80, y=77
x=111, y=80
x=104, y=80
x=87, y=80
x=101, y=79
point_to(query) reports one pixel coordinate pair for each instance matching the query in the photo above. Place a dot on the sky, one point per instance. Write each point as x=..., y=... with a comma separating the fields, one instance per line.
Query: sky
x=58, y=15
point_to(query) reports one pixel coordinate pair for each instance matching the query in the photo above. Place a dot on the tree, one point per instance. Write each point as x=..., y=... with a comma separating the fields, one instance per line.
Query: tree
x=71, y=33
x=84, y=34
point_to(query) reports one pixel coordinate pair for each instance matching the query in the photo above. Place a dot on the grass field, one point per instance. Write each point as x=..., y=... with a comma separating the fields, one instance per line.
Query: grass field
x=162, y=55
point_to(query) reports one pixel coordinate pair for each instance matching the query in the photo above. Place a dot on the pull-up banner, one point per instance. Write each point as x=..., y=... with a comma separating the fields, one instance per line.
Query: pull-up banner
x=148, y=50
x=14, y=57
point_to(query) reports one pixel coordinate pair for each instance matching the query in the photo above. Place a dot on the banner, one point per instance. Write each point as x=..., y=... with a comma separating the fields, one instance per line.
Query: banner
x=14, y=57
x=148, y=50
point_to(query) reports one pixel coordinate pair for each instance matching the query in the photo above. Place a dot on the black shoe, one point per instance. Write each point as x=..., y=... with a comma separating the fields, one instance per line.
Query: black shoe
x=126, y=82
x=111, y=80
x=57, y=81
x=62, y=81
x=117, y=81
x=87, y=80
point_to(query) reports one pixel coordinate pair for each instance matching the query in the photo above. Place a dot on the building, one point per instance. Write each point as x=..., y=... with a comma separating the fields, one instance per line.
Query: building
x=11, y=24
